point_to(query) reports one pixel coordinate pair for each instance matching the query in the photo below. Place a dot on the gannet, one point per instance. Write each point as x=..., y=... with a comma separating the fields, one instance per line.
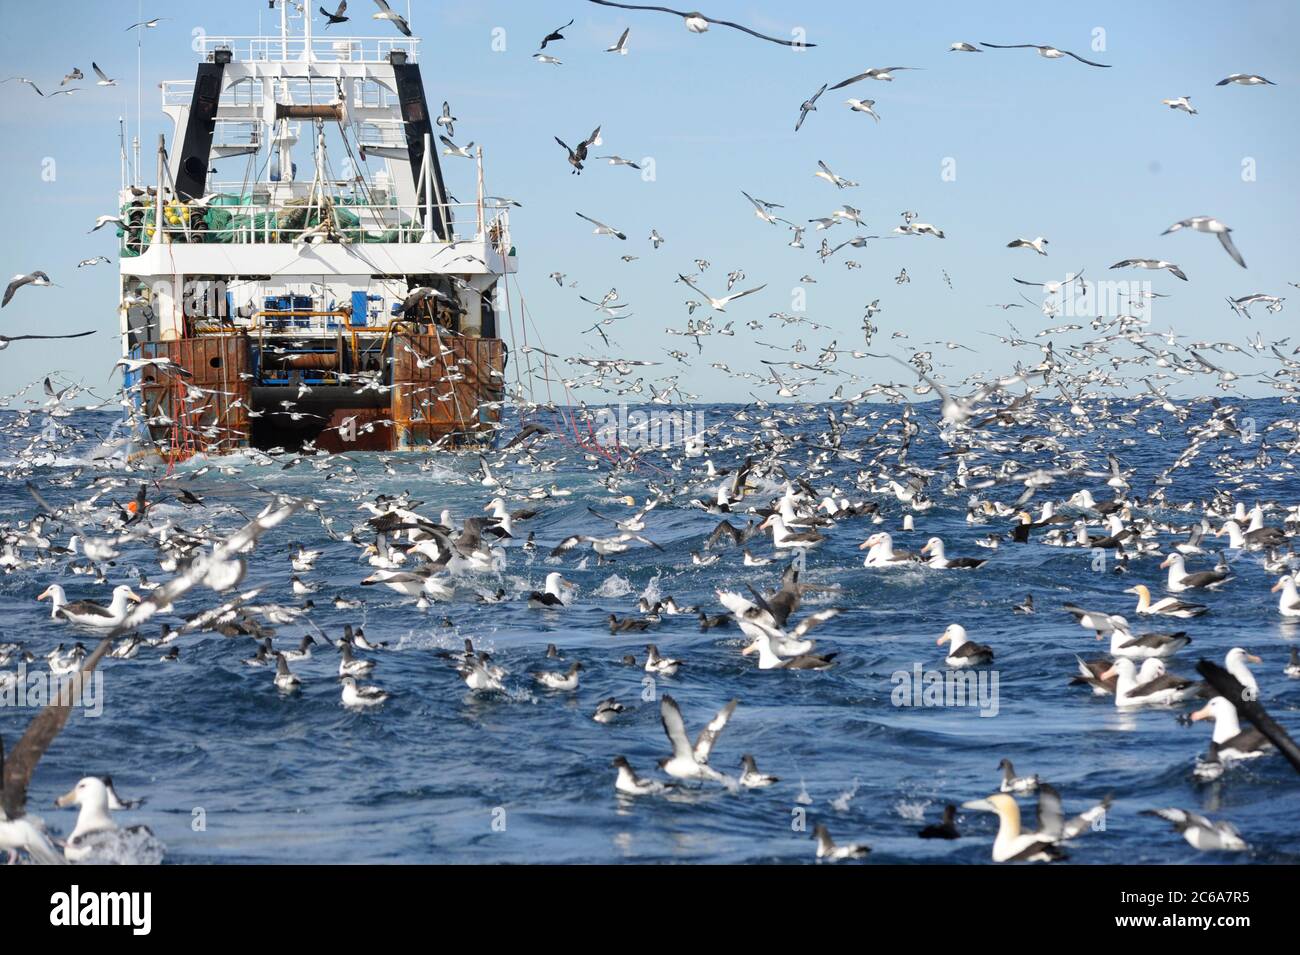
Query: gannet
x=1165, y=606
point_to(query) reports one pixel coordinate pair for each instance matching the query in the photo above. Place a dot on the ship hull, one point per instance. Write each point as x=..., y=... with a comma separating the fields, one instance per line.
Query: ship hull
x=397, y=390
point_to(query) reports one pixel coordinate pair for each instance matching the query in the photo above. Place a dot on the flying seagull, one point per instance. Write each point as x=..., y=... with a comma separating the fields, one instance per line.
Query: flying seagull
x=808, y=106
x=6, y=339
x=1182, y=102
x=18, y=281
x=697, y=22
x=1151, y=264
x=446, y=119
x=103, y=77
x=875, y=73
x=386, y=13
x=962, y=47
x=453, y=150
x=1214, y=227
x=150, y=24
x=1048, y=52
x=621, y=46
x=1035, y=244
x=25, y=80
x=720, y=304
x=337, y=16
x=863, y=106
x=1245, y=79
x=601, y=228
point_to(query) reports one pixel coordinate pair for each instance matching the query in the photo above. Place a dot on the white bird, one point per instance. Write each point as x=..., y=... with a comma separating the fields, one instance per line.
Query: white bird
x=824, y=172
x=687, y=761
x=386, y=13
x=1036, y=244
x=1151, y=264
x=863, y=106
x=103, y=77
x=1211, y=226
x=1245, y=79
x=1200, y=832
x=720, y=304
x=828, y=850
x=962, y=47
x=453, y=150
x=601, y=228
x=620, y=47
x=1182, y=102
x=885, y=73
x=629, y=783
x=356, y=695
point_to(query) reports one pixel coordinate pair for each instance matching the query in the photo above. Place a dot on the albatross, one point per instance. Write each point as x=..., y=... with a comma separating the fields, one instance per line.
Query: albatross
x=697, y=22
x=89, y=614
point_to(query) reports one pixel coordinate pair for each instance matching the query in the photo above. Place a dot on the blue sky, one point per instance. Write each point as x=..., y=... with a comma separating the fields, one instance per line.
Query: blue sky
x=1087, y=157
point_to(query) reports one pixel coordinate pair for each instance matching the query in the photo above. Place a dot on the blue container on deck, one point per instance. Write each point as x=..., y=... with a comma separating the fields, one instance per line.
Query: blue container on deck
x=360, y=309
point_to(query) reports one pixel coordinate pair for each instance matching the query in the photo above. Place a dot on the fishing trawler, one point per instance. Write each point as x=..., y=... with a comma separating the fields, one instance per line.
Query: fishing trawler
x=299, y=275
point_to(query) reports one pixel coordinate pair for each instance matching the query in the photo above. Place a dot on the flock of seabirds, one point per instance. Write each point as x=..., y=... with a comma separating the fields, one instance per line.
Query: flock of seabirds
x=767, y=479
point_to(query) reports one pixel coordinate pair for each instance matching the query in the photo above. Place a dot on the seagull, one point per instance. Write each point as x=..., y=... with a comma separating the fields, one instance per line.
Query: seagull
x=720, y=304
x=543, y=58
x=1048, y=52
x=26, y=81
x=864, y=106
x=1035, y=244
x=103, y=77
x=37, y=278
x=6, y=339
x=620, y=47
x=554, y=35
x=1214, y=227
x=762, y=208
x=601, y=228
x=884, y=73
x=386, y=13
x=961, y=47
x=1245, y=79
x=824, y=172
x=656, y=239
x=697, y=22
x=1151, y=264
x=150, y=24
x=1182, y=102
x=687, y=761
x=808, y=106
x=454, y=150
x=76, y=74
x=446, y=119
x=335, y=17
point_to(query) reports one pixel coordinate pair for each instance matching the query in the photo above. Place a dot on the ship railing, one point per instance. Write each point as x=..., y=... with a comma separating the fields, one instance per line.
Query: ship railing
x=245, y=223
x=319, y=49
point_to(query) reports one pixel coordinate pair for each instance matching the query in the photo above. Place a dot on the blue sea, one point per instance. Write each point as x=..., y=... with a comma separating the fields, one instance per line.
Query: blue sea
x=232, y=771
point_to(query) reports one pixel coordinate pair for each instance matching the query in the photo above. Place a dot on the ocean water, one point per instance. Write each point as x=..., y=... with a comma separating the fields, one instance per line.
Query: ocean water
x=234, y=772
